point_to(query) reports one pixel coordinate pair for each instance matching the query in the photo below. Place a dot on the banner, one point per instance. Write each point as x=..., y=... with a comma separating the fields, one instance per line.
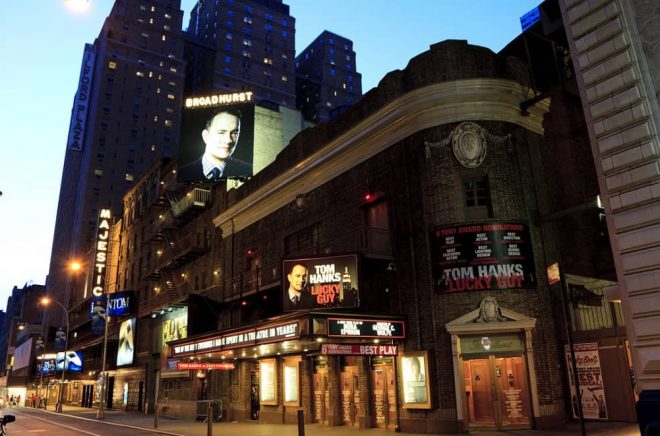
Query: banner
x=479, y=257
x=320, y=282
x=590, y=380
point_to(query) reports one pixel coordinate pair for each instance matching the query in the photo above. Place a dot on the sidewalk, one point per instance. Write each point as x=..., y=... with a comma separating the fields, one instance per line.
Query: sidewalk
x=179, y=427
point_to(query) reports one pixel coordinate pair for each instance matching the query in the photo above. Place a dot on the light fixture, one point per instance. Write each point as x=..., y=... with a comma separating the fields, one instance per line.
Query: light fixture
x=376, y=341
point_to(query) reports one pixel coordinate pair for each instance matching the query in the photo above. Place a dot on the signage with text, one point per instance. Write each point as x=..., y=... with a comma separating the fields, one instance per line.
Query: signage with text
x=101, y=255
x=199, y=366
x=119, y=303
x=479, y=257
x=263, y=335
x=366, y=328
x=321, y=282
x=359, y=350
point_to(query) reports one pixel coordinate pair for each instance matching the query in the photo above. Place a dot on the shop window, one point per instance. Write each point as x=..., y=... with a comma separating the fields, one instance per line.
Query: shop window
x=377, y=232
x=303, y=241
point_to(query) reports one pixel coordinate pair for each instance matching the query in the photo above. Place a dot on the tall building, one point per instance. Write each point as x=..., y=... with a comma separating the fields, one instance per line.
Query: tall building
x=253, y=48
x=326, y=78
x=125, y=116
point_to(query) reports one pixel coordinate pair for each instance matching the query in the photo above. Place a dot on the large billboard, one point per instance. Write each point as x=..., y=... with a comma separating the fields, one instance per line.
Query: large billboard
x=126, y=347
x=217, y=137
x=475, y=257
x=320, y=282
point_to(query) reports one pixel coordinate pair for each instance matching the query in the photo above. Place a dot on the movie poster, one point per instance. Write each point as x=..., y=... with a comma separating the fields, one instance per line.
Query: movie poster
x=126, y=346
x=590, y=379
x=217, y=137
x=479, y=257
x=320, y=282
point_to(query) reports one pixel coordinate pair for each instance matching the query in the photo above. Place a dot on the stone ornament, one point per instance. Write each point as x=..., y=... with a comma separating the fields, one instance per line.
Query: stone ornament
x=469, y=144
x=489, y=311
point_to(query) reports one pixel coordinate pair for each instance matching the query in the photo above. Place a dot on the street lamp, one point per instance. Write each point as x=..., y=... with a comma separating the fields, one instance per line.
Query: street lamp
x=45, y=301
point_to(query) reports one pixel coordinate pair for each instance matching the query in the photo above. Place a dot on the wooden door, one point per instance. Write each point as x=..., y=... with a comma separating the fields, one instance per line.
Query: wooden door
x=347, y=397
x=479, y=393
x=380, y=403
x=512, y=392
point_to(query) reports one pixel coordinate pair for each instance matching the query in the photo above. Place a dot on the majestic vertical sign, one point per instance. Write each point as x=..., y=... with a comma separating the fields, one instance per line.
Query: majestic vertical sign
x=486, y=256
x=101, y=254
x=82, y=100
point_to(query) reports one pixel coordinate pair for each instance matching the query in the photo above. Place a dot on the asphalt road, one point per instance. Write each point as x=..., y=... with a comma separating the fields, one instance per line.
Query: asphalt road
x=33, y=421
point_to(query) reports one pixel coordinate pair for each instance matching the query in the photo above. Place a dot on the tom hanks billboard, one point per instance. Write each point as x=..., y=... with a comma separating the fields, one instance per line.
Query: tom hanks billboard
x=321, y=282
x=217, y=137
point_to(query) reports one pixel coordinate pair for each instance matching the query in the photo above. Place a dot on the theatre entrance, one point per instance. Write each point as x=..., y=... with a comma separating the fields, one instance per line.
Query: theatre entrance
x=321, y=396
x=496, y=392
x=350, y=396
x=383, y=392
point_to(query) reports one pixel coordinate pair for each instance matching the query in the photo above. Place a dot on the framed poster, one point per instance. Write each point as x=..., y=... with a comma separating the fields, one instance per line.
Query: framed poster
x=268, y=382
x=414, y=370
x=292, y=382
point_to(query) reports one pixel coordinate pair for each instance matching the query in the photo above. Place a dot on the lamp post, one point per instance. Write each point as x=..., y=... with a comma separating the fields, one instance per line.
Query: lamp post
x=45, y=301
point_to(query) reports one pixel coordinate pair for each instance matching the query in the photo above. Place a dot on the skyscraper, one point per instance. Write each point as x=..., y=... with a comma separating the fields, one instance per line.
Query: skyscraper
x=253, y=45
x=125, y=116
x=326, y=78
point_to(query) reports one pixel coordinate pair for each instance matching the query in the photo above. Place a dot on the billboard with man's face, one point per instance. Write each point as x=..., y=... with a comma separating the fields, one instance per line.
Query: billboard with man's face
x=321, y=282
x=217, y=137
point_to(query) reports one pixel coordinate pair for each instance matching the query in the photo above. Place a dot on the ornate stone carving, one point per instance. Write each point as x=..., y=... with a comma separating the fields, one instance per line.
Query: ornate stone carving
x=489, y=311
x=469, y=144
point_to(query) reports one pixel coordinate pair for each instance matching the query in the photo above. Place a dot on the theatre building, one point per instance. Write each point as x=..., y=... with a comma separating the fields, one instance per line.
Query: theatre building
x=387, y=269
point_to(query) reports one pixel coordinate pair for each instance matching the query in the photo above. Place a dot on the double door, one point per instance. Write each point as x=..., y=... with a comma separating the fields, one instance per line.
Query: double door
x=497, y=394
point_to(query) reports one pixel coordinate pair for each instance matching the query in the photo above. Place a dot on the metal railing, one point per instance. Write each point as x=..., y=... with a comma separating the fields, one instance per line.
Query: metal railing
x=209, y=409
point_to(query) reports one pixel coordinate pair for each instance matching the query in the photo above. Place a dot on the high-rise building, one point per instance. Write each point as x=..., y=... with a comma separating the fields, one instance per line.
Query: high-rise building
x=326, y=78
x=243, y=45
x=125, y=116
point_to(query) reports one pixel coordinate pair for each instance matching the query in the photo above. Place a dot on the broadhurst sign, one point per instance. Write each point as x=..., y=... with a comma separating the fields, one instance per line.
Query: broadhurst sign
x=478, y=257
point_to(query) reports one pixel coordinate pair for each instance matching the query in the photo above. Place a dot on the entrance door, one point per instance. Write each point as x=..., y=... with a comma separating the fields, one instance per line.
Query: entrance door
x=380, y=404
x=496, y=392
x=321, y=397
x=347, y=397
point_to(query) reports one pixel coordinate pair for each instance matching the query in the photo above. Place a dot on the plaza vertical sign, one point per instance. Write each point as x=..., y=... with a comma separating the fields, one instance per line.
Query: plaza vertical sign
x=81, y=101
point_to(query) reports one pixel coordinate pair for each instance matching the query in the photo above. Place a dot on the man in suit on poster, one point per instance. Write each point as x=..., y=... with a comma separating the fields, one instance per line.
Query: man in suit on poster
x=297, y=296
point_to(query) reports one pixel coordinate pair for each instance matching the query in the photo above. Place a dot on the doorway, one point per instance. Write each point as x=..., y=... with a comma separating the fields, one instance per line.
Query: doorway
x=496, y=392
x=321, y=396
x=350, y=396
x=384, y=396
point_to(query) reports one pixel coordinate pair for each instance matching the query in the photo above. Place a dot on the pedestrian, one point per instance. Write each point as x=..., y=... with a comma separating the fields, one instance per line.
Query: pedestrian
x=12, y=402
x=18, y=400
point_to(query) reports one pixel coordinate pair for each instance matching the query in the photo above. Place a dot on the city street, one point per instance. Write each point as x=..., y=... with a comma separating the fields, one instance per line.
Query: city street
x=78, y=420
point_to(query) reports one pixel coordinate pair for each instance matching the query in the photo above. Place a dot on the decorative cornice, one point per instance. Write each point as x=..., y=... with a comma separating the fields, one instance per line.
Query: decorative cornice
x=423, y=108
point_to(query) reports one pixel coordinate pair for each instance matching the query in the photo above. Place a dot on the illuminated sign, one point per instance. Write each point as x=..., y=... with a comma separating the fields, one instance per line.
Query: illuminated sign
x=320, y=282
x=198, y=366
x=530, y=18
x=359, y=350
x=126, y=347
x=73, y=361
x=82, y=100
x=217, y=138
x=482, y=257
x=364, y=328
x=101, y=255
x=219, y=99
x=264, y=335
x=119, y=303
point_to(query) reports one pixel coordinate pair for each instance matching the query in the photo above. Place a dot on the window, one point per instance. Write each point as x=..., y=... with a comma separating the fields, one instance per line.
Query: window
x=285, y=33
x=303, y=241
x=247, y=20
x=228, y=59
x=477, y=198
x=268, y=27
x=247, y=42
x=268, y=61
x=285, y=78
x=112, y=65
x=169, y=123
x=228, y=35
x=170, y=96
x=139, y=74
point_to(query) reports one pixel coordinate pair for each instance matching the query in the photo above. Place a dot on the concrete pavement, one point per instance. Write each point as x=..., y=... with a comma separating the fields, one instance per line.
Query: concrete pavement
x=178, y=427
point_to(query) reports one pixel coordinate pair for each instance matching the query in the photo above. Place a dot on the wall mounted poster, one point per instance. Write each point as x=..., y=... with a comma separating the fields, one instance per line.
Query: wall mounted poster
x=590, y=379
x=268, y=385
x=482, y=257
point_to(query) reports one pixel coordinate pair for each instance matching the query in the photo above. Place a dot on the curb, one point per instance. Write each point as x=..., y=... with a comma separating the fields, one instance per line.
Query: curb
x=103, y=421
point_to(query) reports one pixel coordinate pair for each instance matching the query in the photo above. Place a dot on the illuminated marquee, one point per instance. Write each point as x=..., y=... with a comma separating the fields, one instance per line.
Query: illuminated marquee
x=219, y=99
x=359, y=350
x=101, y=255
x=197, y=366
x=264, y=335
x=365, y=328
